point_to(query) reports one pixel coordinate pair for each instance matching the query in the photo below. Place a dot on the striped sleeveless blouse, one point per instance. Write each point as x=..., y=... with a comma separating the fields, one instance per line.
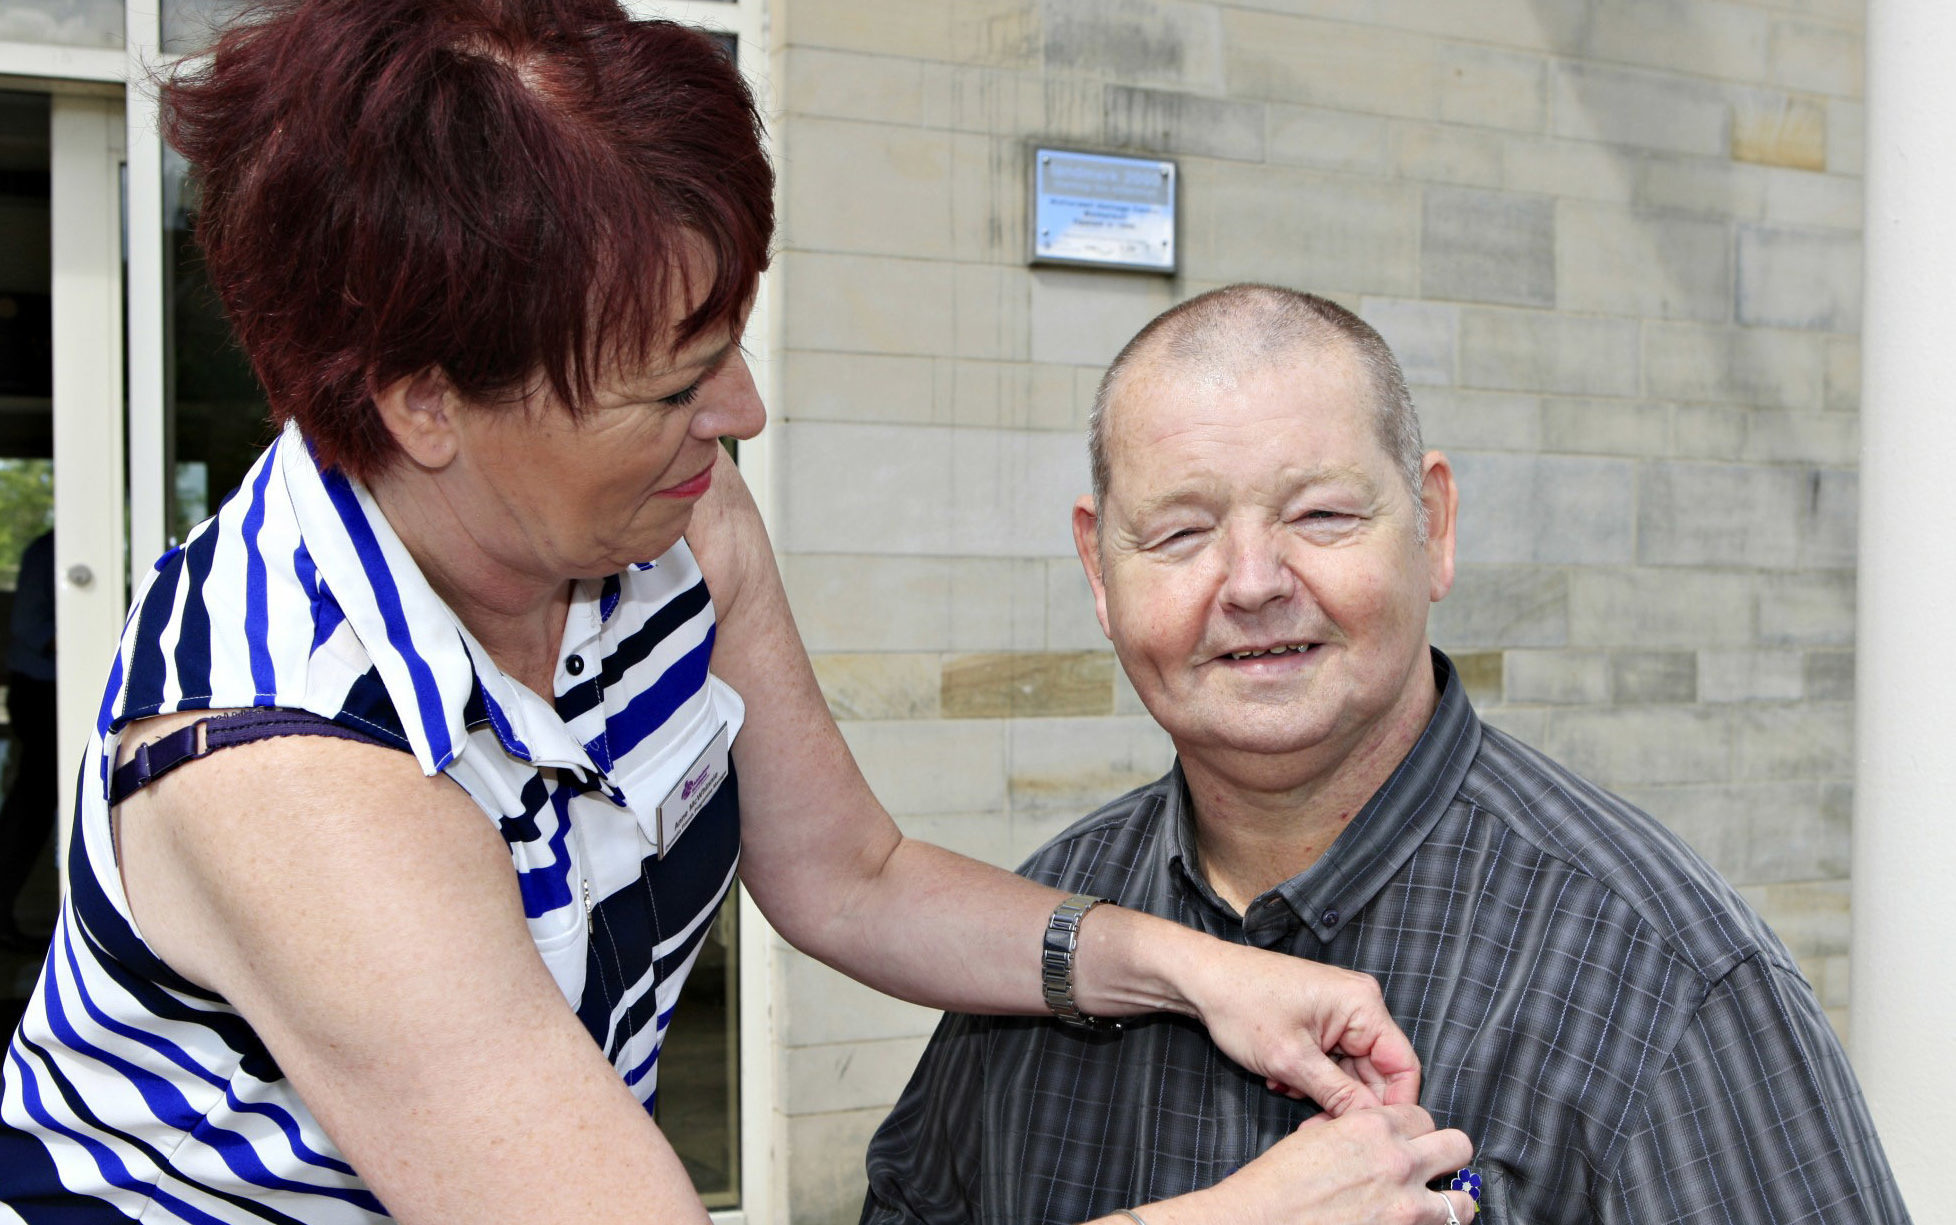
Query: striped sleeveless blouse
x=130, y=1093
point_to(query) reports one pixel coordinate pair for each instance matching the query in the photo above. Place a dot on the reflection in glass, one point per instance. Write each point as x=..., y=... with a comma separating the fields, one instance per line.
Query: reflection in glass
x=26, y=510
x=214, y=417
x=67, y=23
x=26, y=332
x=189, y=26
x=698, y=1106
x=28, y=891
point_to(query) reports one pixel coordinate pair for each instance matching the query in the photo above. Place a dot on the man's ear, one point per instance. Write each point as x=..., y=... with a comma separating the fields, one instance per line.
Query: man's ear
x=422, y=412
x=1441, y=498
x=1086, y=541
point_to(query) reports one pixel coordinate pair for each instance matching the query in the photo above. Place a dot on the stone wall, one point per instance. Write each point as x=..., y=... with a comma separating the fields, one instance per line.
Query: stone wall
x=1616, y=244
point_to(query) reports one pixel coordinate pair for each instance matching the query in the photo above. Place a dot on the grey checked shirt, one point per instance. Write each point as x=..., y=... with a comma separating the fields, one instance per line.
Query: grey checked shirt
x=1623, y=1038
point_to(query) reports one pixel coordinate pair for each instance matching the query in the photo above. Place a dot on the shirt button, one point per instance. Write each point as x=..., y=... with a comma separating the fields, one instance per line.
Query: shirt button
x=1329, y=918
x=574, y=665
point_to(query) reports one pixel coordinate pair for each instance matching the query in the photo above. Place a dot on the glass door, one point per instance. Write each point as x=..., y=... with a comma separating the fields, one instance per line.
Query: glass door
x=27, y=772
x=61, y=406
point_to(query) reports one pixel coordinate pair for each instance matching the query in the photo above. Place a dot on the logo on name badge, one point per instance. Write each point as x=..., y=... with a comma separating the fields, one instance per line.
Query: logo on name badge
x=689, y=796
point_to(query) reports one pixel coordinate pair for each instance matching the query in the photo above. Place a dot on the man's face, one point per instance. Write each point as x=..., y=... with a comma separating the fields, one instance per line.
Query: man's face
x=1256, y=558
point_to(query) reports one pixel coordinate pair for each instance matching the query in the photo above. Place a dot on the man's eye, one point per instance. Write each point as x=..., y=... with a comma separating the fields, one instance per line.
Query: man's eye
x=1180, y=535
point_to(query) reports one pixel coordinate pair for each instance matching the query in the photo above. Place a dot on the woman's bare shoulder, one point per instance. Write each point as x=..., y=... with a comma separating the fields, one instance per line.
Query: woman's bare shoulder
x=365, y=920
x=229, y=856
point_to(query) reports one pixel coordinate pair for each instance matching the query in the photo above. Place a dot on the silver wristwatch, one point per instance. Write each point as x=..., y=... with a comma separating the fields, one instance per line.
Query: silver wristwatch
x=1061, y=941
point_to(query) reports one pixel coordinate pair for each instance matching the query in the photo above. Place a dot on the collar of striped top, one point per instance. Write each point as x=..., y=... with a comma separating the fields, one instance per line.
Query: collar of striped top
x=426, y=657
x=1387, y=830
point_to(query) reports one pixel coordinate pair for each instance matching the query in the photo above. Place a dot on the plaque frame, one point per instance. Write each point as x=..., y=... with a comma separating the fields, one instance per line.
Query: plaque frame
x=1044, y=213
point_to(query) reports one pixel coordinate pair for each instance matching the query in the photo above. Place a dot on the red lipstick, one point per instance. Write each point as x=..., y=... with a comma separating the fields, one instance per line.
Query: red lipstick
x=692, y=487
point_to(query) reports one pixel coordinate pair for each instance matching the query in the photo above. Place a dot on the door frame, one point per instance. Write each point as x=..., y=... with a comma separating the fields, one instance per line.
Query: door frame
x=85, y=147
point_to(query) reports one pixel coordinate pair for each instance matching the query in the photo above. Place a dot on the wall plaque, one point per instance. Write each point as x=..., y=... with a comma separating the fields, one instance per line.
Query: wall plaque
x=1102, y=211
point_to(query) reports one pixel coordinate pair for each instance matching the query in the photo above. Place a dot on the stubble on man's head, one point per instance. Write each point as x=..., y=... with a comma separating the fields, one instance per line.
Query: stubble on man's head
x=1220, y=336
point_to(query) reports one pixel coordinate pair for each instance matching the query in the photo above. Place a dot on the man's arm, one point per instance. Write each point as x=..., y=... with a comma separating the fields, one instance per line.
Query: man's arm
x=1754, y=1116
x=924, y=1160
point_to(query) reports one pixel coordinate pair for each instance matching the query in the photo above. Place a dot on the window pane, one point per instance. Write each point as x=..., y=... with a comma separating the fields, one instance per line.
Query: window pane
x=28, y=886
x=68, y=23
x=698, y=1106
x=26, y=318
x=189, y=26
x=214, y=417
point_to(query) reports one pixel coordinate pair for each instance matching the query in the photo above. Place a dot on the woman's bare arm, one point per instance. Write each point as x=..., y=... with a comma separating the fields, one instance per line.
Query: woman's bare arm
x=365, y=920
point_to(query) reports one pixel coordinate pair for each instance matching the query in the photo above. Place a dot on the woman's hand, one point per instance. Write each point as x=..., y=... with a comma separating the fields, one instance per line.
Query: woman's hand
x=1310, y=1030
x=1371, y=1165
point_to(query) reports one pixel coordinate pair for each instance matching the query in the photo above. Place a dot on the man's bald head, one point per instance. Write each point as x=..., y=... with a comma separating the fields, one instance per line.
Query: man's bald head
x=1225, y=333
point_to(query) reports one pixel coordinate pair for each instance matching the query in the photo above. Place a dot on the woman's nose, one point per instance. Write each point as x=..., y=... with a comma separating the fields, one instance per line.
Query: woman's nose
x=735, y=409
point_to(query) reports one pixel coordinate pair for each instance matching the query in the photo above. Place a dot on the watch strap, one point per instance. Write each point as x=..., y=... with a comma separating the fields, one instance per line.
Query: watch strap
x=1057, y=952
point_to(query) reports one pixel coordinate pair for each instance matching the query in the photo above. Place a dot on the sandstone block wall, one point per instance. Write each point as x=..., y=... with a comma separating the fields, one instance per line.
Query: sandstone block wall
x=1616, y=244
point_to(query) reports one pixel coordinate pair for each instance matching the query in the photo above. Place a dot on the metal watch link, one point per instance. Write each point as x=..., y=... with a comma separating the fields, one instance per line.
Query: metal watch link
x=1061, y=942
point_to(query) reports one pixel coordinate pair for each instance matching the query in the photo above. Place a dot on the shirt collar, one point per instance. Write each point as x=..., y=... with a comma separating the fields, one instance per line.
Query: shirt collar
x=1375, y=844
x=430, y=664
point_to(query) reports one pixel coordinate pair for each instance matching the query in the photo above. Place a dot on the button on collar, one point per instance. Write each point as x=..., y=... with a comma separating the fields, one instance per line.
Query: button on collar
x=1269, y=921
x=574, y=665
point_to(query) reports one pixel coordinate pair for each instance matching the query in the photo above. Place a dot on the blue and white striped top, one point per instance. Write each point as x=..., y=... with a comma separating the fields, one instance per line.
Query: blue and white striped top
x=130, y=1093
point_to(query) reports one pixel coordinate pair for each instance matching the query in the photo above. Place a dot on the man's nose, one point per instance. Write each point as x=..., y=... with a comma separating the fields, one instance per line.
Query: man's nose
x=1257, y=574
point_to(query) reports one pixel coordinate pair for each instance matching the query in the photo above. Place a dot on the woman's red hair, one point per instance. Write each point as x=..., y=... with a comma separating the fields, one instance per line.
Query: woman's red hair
x=497, y=188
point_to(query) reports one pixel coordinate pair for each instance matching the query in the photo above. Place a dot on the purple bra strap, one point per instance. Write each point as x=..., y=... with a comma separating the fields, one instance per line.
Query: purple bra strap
x=153, y=760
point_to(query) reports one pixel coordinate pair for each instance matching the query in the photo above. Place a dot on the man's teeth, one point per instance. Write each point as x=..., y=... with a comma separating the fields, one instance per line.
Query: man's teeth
x=1277, y=650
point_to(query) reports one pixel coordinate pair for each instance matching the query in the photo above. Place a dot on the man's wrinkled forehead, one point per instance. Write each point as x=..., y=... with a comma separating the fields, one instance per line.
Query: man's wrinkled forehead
x=1159, y=380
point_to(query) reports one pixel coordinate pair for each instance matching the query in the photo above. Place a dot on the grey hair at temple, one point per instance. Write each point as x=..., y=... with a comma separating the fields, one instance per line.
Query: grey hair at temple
x=1249, y=326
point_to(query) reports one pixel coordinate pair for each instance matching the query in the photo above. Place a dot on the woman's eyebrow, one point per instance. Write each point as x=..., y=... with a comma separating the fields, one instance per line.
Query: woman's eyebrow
x=645, y=387
x=708, y=362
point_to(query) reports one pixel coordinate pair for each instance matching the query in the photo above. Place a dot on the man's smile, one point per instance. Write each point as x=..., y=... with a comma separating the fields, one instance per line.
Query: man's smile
x=1280, y=648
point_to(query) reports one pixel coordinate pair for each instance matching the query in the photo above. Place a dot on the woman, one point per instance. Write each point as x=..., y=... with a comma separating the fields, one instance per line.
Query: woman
x=491, y=260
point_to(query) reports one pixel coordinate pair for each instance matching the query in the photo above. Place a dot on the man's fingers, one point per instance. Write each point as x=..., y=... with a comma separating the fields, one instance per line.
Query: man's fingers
x=1463, y=1206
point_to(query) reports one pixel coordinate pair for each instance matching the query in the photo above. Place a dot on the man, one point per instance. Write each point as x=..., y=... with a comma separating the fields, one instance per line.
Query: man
x=1622, y=1037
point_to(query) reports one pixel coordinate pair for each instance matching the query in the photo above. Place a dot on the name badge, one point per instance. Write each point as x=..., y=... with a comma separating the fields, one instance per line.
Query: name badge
x=698, y=785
